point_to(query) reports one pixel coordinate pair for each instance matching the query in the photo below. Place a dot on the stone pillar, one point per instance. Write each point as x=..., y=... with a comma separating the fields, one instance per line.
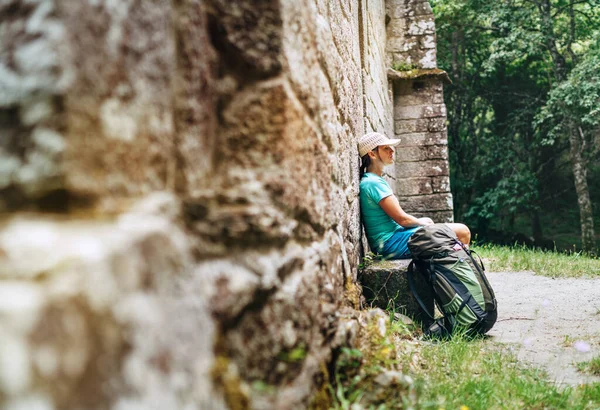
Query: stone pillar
x=422, y=169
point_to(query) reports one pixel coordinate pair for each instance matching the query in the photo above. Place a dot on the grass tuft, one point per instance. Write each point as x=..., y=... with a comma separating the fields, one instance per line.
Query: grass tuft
x=591, y=367
x=546, y=263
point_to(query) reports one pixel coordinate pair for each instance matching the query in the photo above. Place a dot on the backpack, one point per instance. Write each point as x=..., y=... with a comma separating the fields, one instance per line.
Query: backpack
x=456, y=281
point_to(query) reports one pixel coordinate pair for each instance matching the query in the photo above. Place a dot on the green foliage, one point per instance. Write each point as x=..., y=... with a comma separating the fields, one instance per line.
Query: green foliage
x=522, y=71
x=297, y=354
x=368, y=260
x=574, y=101
x=403, y=66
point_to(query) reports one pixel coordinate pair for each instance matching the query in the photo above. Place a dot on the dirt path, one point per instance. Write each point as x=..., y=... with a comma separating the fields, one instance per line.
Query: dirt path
x=551, y=323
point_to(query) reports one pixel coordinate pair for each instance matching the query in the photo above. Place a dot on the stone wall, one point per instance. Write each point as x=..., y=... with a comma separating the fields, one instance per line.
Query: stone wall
x=422, y=178
x=179, y=188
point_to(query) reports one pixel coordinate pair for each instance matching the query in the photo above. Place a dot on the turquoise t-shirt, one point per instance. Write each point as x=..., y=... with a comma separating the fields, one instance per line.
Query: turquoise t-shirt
x=379, y=227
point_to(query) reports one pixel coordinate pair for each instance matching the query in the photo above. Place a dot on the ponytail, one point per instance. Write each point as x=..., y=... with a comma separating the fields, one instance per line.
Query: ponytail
x=365, y=161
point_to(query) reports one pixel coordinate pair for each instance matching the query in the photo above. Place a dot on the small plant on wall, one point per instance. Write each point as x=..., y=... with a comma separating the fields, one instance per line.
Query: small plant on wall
x=403, y=66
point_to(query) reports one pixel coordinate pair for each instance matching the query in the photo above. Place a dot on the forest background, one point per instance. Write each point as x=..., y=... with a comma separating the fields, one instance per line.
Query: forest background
x=524, y=118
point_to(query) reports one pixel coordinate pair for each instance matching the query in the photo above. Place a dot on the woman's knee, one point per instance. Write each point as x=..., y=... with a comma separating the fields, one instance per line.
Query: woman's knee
x=462, y=231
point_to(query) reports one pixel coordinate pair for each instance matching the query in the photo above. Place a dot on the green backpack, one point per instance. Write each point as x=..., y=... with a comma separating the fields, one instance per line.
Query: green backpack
x=456, y=281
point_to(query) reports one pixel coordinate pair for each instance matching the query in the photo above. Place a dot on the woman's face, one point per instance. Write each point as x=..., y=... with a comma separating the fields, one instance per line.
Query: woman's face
x=386, y=153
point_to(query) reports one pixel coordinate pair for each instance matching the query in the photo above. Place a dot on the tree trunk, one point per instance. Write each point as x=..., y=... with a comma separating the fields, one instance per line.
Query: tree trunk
x=576, y=138
x=583, y=193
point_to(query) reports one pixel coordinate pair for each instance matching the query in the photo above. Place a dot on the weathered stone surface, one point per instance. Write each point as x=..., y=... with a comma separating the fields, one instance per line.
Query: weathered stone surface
x=119, y=125
x=441, y=216
x=240, y=277
x=411, y=33
x=420, y=125
x=401, y=9
x=87, y=92
x=195, y=93
x=32, y=146
x=423, y=138
x=423, y=24
x=430, y=168
x=422, y=153
x=441, y=184
x=416, y=87
x=426, y=203
x=385, y=285
x=414, y=186
x=427, y=42
x=419, y=111
x=103, y=304
x=249, y=33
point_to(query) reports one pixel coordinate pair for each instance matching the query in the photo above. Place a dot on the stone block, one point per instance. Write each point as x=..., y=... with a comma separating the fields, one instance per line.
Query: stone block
x=418, y=94
x=440, y=216
x=422, y=8
x=385, y=285
x=251, y=33
x=428, y=59
x=89, y=102
x=195, y=92
x=396, y=28
x=419, y=111
x=440, y=184
x=423, y=138
x=430, y=168
x=427, y=41
x=395, y=10
x=426, y=203
x=409, y=126
x=414, y=186
x=104, y=303
x=420, y=25
x=400, y=46
x=421, y=153
x=420, y=125
x=438, y=98
x=416, y=85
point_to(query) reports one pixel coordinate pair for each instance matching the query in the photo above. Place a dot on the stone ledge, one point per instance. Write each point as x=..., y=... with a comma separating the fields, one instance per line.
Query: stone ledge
x=385, y=285
x=418, y=74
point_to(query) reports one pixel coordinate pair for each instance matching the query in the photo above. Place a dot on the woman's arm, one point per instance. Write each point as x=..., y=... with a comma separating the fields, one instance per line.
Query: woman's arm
x=392, y=207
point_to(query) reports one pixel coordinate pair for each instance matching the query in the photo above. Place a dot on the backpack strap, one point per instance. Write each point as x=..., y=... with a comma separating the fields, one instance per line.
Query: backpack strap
x=413, y=289
x=471, y=252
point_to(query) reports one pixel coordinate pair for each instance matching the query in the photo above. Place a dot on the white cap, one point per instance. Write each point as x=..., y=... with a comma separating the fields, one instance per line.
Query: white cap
x=369, y=141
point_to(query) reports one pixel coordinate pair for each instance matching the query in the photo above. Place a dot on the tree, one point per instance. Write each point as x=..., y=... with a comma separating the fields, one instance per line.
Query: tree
x=573, y=111
x=507, y=57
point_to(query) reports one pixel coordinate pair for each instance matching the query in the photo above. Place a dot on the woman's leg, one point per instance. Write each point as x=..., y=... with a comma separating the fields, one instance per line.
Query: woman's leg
x=462, y=231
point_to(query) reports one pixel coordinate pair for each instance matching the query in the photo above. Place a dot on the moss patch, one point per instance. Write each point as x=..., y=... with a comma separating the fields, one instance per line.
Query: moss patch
x=231, y=384
x=322, y=400
x=416, y=73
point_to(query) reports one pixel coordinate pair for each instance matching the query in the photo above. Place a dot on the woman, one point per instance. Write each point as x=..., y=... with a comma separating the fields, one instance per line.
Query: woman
x=387, y=226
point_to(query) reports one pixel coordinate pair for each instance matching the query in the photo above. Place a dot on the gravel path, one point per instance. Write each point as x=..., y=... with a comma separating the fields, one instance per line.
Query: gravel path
x=551, y=323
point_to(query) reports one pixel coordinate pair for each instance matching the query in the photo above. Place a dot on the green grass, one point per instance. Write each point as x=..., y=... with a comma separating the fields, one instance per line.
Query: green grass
x=458, y=374
x=592, y=367
x=479, y=375
x=546, y=263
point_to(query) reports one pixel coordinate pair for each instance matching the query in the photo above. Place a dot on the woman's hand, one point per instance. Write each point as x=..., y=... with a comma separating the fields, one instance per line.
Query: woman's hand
x=426, y=221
